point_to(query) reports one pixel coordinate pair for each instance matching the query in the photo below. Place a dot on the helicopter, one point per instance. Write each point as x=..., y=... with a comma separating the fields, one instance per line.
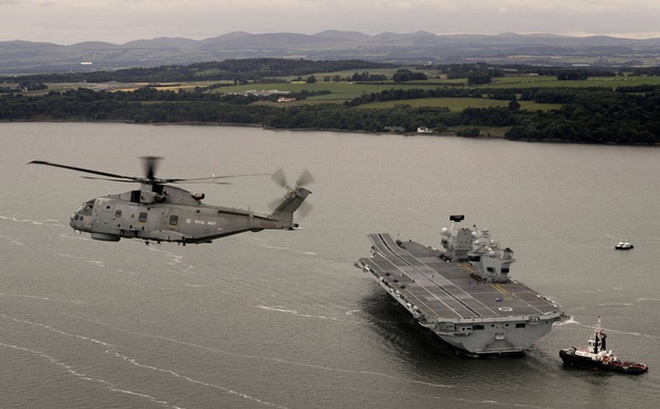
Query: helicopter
x=159, y=212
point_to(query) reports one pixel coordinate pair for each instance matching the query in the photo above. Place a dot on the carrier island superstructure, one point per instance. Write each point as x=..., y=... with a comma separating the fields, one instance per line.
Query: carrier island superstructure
x=462, y=292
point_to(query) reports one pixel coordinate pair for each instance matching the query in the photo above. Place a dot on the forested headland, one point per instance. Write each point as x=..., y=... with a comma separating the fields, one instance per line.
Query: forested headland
x=384, y=98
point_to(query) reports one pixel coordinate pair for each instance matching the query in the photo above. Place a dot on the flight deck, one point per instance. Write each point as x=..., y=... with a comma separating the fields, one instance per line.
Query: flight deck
x=462, y=292
x=447, y=289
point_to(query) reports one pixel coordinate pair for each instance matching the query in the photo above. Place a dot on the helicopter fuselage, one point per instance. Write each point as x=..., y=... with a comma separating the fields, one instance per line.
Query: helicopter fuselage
x=158, y=211
x=167, y=213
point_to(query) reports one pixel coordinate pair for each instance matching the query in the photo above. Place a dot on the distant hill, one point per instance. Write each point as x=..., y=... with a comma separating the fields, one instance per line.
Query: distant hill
x=22, y=57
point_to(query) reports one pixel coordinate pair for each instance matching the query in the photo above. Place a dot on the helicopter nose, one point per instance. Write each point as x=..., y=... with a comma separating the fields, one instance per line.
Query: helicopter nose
x=73, y=221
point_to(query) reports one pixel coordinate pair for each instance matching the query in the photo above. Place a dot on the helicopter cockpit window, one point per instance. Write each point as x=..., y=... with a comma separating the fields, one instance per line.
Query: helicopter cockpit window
x=87, y=208
x=174, y=220
x=142, y=218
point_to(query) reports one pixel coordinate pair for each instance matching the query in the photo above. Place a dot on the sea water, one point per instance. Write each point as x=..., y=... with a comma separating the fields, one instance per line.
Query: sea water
x=282, y=318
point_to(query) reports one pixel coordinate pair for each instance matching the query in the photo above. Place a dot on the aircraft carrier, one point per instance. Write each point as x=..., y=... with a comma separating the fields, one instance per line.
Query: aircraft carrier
x=462, y=292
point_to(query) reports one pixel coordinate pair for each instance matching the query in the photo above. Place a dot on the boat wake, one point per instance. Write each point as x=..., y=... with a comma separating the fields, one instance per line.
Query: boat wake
x=616, y=304
x=110, y=349
x=46, y=222
x=648, y=299
x=569, y=321
x=572, y=321
x=264, y=243
x=279, y=360
x=176, y=260
x=10, y=240
x=72, y=371
x=296, y=313
x=41, y=298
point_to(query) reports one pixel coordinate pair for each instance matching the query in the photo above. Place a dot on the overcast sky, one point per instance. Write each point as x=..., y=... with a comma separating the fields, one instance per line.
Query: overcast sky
x=120, y=21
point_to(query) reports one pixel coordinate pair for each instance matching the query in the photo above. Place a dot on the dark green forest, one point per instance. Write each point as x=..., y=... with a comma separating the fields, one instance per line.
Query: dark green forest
x=625, y=115
x=242, y=70
x=586, y=116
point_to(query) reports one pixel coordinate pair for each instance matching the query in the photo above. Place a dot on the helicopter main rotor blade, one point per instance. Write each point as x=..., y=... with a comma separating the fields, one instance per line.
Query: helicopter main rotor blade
x=198, y=182
x=109, y=179
x=92, y=171
x=212, y=179
x=150, y=165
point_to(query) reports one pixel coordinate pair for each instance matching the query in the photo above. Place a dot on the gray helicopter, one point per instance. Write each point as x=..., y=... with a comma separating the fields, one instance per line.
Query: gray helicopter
x=160, y=212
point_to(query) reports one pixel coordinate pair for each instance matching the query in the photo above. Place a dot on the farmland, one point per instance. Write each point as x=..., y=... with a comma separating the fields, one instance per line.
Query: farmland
x=576, y=105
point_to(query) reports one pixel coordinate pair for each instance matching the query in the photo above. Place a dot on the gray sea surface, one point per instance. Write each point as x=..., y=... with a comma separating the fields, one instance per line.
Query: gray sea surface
x=282, y=319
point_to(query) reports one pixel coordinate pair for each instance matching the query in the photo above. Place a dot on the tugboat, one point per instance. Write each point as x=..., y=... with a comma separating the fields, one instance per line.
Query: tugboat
x=595, y=356
x=624, y=245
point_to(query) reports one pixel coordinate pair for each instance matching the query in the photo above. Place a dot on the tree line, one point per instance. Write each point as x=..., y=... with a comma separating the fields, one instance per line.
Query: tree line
x=625, y=115
x=238, y=70
x=260, y=69
x=591, y=116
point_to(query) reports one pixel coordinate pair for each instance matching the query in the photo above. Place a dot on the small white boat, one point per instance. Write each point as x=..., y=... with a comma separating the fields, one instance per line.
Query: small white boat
x=624, y=245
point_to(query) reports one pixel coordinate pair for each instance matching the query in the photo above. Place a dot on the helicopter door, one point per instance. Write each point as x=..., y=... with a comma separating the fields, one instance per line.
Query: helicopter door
x=102, y=219
x=125, y=217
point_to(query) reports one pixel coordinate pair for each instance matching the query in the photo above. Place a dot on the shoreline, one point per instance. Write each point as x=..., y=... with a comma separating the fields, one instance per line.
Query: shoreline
x=405, y=134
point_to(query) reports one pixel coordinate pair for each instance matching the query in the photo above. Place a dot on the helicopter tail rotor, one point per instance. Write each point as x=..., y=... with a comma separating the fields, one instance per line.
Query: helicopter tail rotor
x=304, y=179
x=298, y=191
x=279, y=178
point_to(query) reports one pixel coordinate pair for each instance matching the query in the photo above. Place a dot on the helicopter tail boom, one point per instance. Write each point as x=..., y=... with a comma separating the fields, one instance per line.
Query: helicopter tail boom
x=284, y=211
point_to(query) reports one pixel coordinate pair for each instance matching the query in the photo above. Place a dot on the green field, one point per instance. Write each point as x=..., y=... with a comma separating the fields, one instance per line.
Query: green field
x=459, y=104
x=552, y=82
x=342, y=91
x=346, y=91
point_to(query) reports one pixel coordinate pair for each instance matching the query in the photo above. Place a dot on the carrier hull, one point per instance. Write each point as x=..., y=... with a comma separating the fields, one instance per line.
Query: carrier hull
x=449, y=298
